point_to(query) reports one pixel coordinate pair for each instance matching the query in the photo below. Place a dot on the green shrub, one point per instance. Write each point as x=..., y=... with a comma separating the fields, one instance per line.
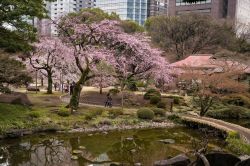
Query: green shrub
x=145, y=113
x=233, y=134
x=64, y=113
x=174, y=118
x=140, y=84
x=34, y=114
x=93, y=113
x=113, y=113
x=114, y=91
x=155, y=99
x=150, y=93
x=237, y=99
x=159, y=112
x=4, y=89
x=176, y=100
x=161, y=105
x=236, y=145
x=230, y=112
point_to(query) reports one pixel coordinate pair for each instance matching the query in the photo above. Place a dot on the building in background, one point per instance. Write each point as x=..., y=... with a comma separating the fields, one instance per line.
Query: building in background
x=236, y=10
x=56, y=10
x=215, y=8
x=136, y=10
x=158, y=7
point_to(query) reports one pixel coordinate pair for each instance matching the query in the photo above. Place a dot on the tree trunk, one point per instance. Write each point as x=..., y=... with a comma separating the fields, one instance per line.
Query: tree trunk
x=100, y=90
x=101, y=86
x=50, y=83
x=122, y=89
x=41, y=81
x=74, y=100
x=205, y=105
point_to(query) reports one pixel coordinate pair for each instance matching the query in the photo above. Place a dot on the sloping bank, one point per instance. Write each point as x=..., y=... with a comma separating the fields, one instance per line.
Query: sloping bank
x=237, y=137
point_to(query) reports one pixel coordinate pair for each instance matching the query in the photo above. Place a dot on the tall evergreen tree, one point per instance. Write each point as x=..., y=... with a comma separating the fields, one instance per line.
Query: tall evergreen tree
x=16, y=33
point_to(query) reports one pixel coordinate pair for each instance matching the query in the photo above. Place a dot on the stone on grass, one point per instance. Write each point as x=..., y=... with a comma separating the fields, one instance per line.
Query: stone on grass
x=167, y=141
x=130, y=139
x=133, y=150
x=82, y=147
x=76, y=151
x=74, y=157
x=180, y=160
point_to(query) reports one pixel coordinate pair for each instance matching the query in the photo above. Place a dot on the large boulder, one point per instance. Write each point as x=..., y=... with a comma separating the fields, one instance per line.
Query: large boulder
x=180, y=160
x=15, y=98
x=219, y=159
x=244, y=163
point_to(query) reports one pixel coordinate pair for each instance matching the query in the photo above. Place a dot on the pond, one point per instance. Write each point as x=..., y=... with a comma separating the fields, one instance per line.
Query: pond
x=129, y=147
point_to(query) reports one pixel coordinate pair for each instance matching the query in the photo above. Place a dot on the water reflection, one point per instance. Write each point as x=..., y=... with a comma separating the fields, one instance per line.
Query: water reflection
x=124, y=147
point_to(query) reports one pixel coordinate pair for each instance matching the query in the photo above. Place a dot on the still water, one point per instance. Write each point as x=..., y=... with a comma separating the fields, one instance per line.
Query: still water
x=98, y=149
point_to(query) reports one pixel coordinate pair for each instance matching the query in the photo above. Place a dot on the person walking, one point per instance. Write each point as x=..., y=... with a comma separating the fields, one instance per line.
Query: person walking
x=108, y=102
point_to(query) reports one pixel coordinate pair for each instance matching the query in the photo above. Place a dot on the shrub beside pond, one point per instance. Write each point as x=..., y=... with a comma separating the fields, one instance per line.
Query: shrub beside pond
x=229, y=112
x=93, y=114
x=161, y=105
x=237, y=99
x=113, y=113
x=159, y=112
x=236, y=145
x=150, y=93
x=64, y=113
x=145, y=113
x=155, y=99
x=34, y=114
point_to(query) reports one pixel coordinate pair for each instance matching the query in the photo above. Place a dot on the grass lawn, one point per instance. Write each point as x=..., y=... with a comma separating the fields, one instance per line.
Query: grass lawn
x=49, y=112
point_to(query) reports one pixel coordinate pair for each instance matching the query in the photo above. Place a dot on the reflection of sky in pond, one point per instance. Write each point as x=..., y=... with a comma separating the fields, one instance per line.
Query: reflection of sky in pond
x=128, y=147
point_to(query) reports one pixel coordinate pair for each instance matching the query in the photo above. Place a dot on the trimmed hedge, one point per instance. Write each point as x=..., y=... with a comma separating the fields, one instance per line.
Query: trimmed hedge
x=230, y=112
x=34, y=114
x=155, y=99
x=114, y=113
x=63, y=113
x=159, y=112
x=237, y=99
x=114, y=91
x=162, y=105
x=150, y=93
x=145, y=113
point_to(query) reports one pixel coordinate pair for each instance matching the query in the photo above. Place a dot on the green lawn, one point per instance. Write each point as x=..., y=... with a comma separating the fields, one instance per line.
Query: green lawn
x=49, y=112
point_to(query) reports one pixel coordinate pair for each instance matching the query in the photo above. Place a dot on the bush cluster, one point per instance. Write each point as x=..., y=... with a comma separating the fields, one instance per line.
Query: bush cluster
x=155, y=99
x=34, y=114
x=114, y=113
x=150, y=93
x=237, y=99
x=63, y=113
x=145, y=113
x=159, y=112
x=93, y=113
x=114, y=91
x=230, y=112
x=176, y=99
x=161, y=105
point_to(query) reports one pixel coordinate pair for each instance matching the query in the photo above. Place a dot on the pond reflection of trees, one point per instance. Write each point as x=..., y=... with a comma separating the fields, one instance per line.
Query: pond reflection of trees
x=139, y=151
x=49, y=152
